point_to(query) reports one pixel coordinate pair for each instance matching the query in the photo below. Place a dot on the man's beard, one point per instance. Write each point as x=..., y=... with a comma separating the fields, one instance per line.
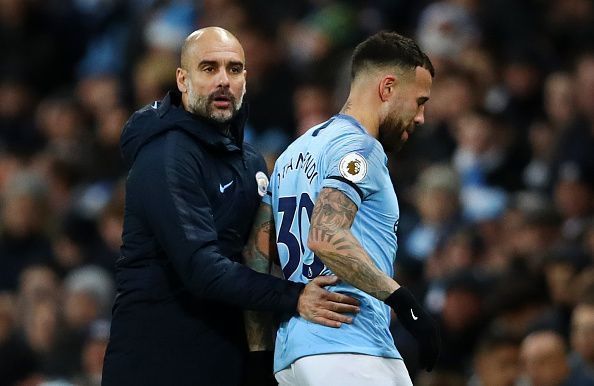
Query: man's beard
x=202, y=105
x=390, y=133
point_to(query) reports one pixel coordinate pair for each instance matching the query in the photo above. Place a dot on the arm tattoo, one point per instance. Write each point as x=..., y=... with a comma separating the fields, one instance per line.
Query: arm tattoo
x=258, y=254
x=333, y=209
x=260, y=249
x=331, y=235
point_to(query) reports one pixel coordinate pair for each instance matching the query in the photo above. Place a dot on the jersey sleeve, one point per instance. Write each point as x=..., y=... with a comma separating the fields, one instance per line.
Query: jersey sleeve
x=267, y=197
x=353, y=164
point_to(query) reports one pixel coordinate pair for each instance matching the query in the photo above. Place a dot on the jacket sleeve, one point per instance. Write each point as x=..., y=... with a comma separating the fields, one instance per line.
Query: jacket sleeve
x=177, y=210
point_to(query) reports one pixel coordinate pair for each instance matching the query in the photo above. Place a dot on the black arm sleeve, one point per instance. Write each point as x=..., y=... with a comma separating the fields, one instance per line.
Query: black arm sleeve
x=177, y=211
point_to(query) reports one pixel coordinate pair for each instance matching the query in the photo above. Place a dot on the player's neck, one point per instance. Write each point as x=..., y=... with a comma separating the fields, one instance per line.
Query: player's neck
x=359, y=109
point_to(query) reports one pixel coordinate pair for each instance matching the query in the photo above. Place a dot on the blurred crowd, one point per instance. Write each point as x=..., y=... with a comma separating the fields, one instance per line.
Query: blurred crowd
x=496, y=190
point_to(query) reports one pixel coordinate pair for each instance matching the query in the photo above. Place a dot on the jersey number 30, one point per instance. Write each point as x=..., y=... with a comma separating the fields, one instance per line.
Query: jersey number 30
x=295, y=243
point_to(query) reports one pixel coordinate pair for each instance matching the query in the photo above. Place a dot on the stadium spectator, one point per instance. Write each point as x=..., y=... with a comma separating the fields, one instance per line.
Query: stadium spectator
x=546, y=361
x=23, y=239
x=574, y=198
x=437, y=203
x=496, y=360
x=582, y=331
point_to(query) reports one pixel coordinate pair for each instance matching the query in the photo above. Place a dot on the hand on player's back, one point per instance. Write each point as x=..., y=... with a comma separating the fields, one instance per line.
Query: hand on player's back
x=324, y=307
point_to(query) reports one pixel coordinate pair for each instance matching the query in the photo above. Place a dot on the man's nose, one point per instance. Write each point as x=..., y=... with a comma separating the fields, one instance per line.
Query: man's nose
x=222, y=78
x=420, y=117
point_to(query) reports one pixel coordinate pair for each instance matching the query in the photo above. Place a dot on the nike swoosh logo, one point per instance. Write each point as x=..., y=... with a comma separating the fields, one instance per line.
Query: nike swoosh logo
x=413, y=315
x=155, y=105
x=222, y=188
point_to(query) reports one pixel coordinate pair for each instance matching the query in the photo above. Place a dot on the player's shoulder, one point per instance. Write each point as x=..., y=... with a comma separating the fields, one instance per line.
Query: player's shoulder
x=345, y=125
x=351, y=145
x=349, y=137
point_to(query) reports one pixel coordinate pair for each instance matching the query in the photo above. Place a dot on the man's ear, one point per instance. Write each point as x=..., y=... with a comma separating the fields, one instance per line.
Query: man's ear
x=180, y=77
x=387, y=87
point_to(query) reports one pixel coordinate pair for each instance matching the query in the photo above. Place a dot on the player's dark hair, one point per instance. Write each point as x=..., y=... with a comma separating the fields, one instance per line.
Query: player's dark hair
x=389, y=49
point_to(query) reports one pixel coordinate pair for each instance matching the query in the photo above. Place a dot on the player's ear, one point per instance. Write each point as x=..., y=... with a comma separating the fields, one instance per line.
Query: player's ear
x=180, y=77
x=387, y=87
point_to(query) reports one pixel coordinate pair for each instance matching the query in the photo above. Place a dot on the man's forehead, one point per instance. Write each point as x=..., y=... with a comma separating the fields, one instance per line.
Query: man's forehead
x=423, y=73
x=211, y=44
x=216, y=50
x=423, y=78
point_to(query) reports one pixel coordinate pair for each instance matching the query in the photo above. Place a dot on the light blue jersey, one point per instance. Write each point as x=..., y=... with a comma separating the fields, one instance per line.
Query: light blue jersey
x=336, y=154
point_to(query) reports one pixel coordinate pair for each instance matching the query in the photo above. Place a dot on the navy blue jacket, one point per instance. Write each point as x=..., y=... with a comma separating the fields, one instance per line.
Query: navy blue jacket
x=191, y=195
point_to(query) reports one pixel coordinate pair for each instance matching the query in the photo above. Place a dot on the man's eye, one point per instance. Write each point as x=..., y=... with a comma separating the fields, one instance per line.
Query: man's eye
x=236, y=70
x=208, y=69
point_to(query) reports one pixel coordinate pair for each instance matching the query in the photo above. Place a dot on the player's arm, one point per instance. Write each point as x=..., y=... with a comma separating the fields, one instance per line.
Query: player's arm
x=258, y=254
x=315, y=303
x=331, y=239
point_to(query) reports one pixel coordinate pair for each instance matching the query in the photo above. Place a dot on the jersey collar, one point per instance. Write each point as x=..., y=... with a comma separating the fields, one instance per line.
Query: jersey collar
x=353, y=121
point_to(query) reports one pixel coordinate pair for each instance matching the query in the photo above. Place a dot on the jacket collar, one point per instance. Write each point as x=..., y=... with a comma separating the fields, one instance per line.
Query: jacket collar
x=202, y=128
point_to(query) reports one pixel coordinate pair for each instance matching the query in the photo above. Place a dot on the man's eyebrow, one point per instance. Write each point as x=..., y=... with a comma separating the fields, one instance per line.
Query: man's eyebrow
x=208, y=63
x=215, y=63
x=236, y=63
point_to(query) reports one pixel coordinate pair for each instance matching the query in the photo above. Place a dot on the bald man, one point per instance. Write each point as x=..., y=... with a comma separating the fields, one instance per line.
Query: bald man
x=193, y=187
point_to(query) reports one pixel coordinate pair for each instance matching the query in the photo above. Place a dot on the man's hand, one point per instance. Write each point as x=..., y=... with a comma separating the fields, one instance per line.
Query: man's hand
x=419, y=323
x=323, y=307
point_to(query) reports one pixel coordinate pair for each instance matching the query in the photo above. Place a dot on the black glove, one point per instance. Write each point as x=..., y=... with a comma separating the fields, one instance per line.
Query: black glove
x=258, y=369
x=419, y=323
